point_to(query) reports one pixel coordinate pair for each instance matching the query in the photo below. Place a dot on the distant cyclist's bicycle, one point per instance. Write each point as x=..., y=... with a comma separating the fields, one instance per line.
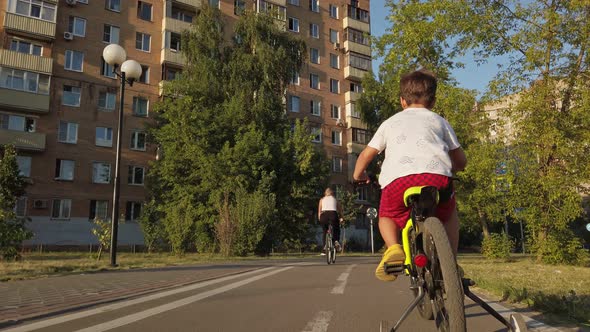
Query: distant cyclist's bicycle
x=430, y=263
x=330, y=247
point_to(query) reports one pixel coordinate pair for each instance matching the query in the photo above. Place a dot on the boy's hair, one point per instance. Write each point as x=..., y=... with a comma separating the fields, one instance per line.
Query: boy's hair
x=418, y=87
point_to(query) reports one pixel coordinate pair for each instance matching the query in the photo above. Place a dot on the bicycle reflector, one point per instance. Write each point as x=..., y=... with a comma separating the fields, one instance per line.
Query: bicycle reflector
x=420, y=260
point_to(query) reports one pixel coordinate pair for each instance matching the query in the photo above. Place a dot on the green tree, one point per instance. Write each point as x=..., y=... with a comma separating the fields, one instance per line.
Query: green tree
x=546, y=47
x=225, y=135
x=12, y=186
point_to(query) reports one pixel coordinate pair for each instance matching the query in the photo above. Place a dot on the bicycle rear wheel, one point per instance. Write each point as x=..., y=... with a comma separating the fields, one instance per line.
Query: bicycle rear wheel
x=329, y=246
x=417, y=276
x=333, y=250
x=448, y=305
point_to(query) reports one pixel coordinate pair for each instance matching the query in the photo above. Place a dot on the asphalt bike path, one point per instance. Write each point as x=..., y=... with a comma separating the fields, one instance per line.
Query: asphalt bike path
x=308, y=296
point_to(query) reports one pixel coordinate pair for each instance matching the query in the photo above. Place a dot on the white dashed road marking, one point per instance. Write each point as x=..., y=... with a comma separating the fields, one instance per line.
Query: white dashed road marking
x=342, y=279
x=320, y=322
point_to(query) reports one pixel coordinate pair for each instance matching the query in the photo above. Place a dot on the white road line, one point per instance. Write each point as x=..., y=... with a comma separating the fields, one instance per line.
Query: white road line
x=119, y=305
x=176, y=304
x=320, y=322
x=343, y=278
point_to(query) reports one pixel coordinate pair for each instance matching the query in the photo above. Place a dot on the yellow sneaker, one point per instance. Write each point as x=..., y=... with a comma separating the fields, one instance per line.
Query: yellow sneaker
x=393, y=254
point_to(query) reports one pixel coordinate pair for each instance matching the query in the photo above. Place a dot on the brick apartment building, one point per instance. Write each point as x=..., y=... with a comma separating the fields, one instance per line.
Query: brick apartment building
x=59, y=99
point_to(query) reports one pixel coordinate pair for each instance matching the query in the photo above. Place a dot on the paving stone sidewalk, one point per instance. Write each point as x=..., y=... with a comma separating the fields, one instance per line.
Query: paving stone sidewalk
x=25, y=299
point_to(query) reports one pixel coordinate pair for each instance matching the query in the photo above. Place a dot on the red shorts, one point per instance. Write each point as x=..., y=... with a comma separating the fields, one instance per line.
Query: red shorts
x=392, y=197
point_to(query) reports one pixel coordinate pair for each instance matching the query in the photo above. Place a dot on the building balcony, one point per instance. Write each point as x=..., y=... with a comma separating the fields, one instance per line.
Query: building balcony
x=23, y=140
x=353, y=122
x=351, y=97
x=26, y=62
x=171, y=56
x=355, y=74
x=355, y=148
x=174, y=25
x=349, y=22
x=192, y=3
x=26, y=101
x=32, y=27
x=350, y=46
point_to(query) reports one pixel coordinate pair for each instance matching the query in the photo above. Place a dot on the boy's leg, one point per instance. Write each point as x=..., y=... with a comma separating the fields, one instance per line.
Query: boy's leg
x=394, y=254
x=452, y=228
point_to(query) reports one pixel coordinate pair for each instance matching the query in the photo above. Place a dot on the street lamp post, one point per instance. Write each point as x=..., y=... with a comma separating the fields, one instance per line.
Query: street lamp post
x=130, y=71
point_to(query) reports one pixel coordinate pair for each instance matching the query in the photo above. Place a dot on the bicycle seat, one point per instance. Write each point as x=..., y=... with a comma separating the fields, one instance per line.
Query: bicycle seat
x=423, y=199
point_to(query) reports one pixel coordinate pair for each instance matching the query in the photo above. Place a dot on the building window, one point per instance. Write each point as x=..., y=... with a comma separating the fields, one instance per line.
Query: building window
x=314, y=30
x=293, y=24
x=357, y=36
x=273, y=10
x=20, y=207
x=356, y=87
x=315, y=107
x=314, y=55
x=314, y=5
x=140, y=106
x=110, y=34
x=99, y=210
x=363, y=193
x=293, y=103
x=142, y=41
x=335, y=111
x=138, y=139
x=33, y=8
x=106, y=101
x=181, y=15
x=135, y=175
x=356, y=61
x=25, y=47
x=101, y=172
x=336, y=137
x=64, y=169
x=336, y=164
x=334, y=86
x=295, y=78
x=17, y=123
x=132, y=211
x=104, y=136
x=106, y=69
x=314, y=81
x=77, y=26
x=316, y=134
x=214, y=3
x=61, y=208
x=353, y=110
x=175, y=41
x=68, y=132
x=294, y=2
x=114, y=5
x=15, y=79
x=239, y=7
x=145, y=75
x=358, y=14
x=71, y=96
x=74, y=60
x=172, y=74
x=333, y=36
x=360, y=136
x=334, y=61
x=24, y=165
x=144, y=10
x=333, y=11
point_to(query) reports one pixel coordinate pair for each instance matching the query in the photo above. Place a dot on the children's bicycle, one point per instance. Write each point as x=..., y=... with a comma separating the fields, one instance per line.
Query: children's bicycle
x=330, y=248
x=430, y=263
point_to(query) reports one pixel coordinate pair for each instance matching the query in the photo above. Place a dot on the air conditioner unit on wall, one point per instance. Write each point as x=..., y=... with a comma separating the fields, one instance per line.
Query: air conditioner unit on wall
x=340, y=123
x=71, y=2
x=336, y=46
x=68, y=35
x=40, y=204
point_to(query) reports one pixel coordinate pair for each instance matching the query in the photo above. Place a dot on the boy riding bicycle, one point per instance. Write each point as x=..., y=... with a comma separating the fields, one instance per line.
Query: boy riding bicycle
x=421, y=149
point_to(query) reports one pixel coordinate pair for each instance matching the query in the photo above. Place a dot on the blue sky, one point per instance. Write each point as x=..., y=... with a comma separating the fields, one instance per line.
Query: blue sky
x=471, y=77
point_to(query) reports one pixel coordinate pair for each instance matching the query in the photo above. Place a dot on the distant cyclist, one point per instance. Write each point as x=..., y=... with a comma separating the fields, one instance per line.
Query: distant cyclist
x=421, y=149
x=329, y=212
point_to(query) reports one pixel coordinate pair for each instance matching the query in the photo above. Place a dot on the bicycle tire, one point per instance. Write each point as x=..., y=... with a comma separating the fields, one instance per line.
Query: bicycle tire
x=329, y=244
x=424, y=307
x=453, y=309
x=333, y=254
x=518, y=323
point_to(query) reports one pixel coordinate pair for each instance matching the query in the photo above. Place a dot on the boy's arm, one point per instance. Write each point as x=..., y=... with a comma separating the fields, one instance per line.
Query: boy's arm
x=458, y=160
x=363, y=162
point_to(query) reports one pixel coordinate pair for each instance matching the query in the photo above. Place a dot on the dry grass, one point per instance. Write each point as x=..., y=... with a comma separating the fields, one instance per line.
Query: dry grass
x=559, y=290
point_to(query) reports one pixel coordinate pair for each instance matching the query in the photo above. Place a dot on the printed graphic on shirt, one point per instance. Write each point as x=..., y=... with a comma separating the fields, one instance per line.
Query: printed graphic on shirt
x=433, y=164
x=401, y=139
x=406, y=160
x=421, y=143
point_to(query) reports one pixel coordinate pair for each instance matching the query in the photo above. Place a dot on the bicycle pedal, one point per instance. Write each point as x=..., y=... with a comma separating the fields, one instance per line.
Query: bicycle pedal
x=394, y=268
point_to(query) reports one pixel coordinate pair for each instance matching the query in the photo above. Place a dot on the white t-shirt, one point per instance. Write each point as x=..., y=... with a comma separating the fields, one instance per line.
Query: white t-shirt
x=415, y=141
x=329, y=203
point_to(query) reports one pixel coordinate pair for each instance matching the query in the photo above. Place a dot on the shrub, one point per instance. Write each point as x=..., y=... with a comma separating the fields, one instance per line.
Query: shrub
x=497, y=246
x=561, y=247
x=102, y=231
